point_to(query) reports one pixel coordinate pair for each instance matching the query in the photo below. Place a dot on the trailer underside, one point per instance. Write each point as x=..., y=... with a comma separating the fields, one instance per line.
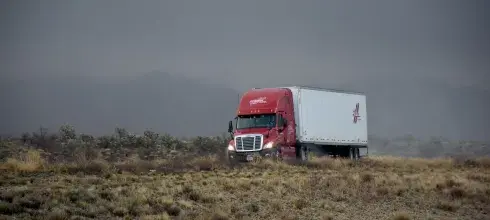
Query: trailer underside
x=304, y=152
x=343, y=151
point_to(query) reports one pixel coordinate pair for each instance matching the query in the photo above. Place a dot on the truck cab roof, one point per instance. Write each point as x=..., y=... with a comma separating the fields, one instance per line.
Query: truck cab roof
x=260, y=101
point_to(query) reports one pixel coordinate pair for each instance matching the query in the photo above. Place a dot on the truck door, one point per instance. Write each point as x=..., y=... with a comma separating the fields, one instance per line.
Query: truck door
x=289, y=131
x=281, y=137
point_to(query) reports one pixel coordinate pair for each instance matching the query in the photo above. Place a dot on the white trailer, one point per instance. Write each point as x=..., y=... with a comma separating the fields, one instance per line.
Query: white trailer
x=331, y=120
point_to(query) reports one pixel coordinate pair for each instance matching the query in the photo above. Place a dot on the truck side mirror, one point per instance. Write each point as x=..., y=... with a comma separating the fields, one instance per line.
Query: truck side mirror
x=230, y=126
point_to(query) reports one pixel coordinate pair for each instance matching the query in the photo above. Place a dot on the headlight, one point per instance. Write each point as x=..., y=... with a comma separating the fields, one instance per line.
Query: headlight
x=231, y=147
x=269, y=145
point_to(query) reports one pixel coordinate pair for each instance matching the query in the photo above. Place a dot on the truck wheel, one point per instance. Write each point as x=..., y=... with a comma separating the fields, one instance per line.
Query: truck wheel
x=276, y=155
x=352, y=152
x=303, y=153
x=227, y=158
x=229, y=161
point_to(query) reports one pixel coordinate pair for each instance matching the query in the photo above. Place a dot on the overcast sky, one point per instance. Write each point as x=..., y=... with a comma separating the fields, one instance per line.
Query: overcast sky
x=259, y=43
x=236, y=41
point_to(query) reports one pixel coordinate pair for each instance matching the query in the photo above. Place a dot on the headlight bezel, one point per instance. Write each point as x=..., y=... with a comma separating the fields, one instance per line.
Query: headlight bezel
x=231, y=147
x=269, y=145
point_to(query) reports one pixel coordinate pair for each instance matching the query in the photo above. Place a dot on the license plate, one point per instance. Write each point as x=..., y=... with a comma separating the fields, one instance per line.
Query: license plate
x=250, y=157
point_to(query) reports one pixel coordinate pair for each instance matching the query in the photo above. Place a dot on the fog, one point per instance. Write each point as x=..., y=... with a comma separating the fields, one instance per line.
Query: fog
x=178, y=66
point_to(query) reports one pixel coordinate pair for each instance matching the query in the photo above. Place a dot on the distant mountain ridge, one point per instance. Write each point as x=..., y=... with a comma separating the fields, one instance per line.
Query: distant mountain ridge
x=157, y=101
x=185, y=107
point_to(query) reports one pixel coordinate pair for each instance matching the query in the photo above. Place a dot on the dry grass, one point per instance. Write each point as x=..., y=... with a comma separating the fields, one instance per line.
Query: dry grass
x=204, y=188
x=29, y=161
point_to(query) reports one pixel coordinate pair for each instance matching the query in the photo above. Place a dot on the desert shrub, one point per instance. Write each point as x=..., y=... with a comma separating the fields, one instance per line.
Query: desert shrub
x=66, y=145
x=28, y=161
x=66, y=133
x=108, y=142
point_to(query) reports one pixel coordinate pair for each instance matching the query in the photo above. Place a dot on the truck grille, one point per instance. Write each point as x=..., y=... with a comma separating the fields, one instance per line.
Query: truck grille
x=249, y=143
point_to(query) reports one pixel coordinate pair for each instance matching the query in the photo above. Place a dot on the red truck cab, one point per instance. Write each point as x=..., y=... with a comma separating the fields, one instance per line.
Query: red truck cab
x=264, y=125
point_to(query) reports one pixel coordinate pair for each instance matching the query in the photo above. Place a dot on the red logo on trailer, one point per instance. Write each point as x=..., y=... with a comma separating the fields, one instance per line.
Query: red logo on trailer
x=355, y=114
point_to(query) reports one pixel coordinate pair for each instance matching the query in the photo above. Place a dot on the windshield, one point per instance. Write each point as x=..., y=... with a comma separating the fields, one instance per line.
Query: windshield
x=256, y=121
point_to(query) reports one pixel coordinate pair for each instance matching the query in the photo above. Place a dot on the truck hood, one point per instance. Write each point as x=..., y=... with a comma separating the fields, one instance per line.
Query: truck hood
x=264, y=131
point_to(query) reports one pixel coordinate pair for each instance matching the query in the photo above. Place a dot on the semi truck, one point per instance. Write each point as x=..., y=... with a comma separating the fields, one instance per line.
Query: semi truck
x=297, y=122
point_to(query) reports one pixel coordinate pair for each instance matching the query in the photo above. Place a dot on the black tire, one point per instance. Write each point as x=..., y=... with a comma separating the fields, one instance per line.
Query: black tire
x=227, y=158
x=229, y=161
x=276, y=155
x=354, y=153
x=303, y=153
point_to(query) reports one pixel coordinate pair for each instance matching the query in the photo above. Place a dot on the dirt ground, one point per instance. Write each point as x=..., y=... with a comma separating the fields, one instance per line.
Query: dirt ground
x=204, y=188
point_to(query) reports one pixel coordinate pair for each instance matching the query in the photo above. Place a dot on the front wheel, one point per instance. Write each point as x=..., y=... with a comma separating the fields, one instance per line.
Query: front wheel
x=228, y=160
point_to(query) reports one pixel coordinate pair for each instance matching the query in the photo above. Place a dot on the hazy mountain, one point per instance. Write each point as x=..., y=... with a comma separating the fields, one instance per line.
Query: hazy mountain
x=181, y=106
x=156, y=101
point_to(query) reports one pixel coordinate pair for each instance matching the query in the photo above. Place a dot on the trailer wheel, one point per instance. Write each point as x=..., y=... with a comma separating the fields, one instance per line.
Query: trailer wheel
x=352, y=153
